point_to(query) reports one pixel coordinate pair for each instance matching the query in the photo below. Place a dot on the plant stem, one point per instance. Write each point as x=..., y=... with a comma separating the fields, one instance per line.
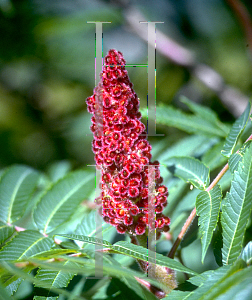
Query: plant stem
x=193, y=212
x=217, y=178
x=182, y=233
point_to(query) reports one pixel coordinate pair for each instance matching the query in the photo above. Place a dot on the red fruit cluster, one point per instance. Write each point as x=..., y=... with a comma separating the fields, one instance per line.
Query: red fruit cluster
x=123, y=154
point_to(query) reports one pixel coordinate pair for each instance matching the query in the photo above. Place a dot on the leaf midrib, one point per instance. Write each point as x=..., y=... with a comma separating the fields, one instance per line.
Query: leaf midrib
x=208, y=219
x=31, y=246
x=18, y=184
x=62, y=202
x=239, y=217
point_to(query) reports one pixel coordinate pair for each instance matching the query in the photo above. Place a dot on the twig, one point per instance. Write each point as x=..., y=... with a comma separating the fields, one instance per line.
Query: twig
x=193, y=213
x=182, y=233
x=245, y=20
x=154, y=290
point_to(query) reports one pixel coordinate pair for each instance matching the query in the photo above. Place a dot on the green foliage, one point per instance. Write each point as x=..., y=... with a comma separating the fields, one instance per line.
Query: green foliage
x=47, y=59
x=247, y=253
x=58, y=279
x=16, y=187
x=25, y=244
x=235, y=158
x=236, y=209
x=48, y=224
x=207, y=208
x=220, y=284
x=235, y=132
x=190, y=170
x=197, y=123
x=61, y=200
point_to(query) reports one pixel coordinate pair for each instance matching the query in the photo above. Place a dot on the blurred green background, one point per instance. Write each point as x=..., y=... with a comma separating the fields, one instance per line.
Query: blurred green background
x=47, y=68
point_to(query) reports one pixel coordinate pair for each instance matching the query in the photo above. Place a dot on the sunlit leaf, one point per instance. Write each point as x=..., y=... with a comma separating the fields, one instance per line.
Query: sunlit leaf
x=132, y=250
x=25, y=244
x=30, y=278
x=235, y=158
x=236, y=131
x=207, y=207
x=187, y=146
x=54, y=253
x=170, y=116
x=206, y=113
x=92, y=222
x=242, y=289
x=5, y=232
x=86, y=239
x=17, y=185
x=59, y=202
x=236, y=209
x=88, y=225
x=87, y=267
x=144, y=254
x=54, y=279
x=190, y=170
x=221, y=281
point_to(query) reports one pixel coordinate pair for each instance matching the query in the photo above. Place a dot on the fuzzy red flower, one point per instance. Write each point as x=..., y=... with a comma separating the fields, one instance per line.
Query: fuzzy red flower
x=123, y=154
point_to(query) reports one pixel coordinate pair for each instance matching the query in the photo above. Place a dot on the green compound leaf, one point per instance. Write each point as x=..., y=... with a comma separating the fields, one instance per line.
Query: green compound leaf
x=235, y=132
x=30, y=278
x=207, y=208
x=144, y=254
x=187, y=146
x=132, y=250
x=54, y=253
x=86, y=239
x=54, y=279
x=5, y=232
x=88, y=267
x=12, y=281
x=235, y=158
x=133, y=287
x=236, y=209
x=17, y=185
x=170, y=116
x=88, y=225
x=221, y=282
x=247, y=253
x=25, y=244
x=190, y=170
x=206, y=113
x=241, y=290
x=61, y=200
